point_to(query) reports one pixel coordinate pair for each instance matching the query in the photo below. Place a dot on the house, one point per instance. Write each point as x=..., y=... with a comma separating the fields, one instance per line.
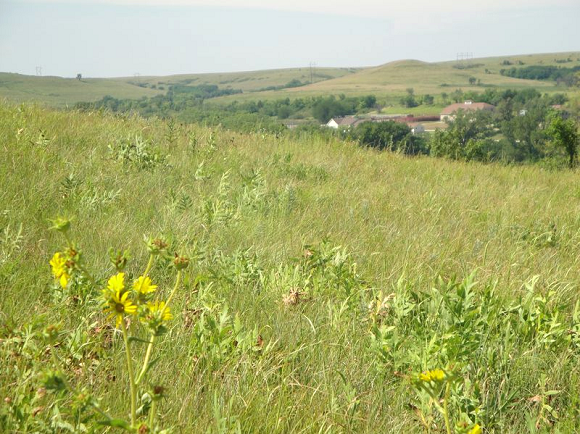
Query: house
x=448, y=112
x=416, y=127
x=346, y=122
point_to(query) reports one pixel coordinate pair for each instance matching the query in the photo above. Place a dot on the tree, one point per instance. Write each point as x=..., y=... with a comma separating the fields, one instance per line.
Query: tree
x=564, y=133
x=394, y=136
x=457, y=95
x=428, y=99
x=409, y=101
x=367, y=102
x=327, y=108
x=466, y=138
x=79, y=77
x=472, y=80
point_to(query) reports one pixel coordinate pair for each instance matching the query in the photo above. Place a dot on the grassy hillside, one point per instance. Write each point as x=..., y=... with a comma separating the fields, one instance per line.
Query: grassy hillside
x=392, y=79
x=434, y=78
x=327, y=283
x=253, y=81
x=59, y=92
x=385, y=81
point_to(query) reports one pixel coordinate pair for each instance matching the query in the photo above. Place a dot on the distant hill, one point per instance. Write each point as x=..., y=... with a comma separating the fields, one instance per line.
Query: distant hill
x=437, y=77
x=389, y=79
x=58, y=91
x=433, y=78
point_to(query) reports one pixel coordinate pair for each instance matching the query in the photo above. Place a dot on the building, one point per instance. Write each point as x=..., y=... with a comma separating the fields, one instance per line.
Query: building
x=448, y=113
x=346, y=122
x=416, y=127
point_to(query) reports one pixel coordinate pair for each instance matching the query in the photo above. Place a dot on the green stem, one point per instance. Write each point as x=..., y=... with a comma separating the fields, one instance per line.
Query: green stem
x=149, y=265
x=146, y=361
x=68, y=240
x=132, y=384
x=445, y=410
x=152, y=415
x=152, y=341
x=177, y=279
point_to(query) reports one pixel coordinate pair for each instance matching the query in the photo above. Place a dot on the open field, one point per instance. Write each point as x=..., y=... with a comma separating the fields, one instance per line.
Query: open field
x=387, y=82
x=392, y=79
x=59, y=92
x=324, y=279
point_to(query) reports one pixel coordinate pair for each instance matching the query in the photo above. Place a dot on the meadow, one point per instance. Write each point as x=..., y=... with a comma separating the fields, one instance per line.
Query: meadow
x=387, y=82
x=330, y=287
x=61, y=92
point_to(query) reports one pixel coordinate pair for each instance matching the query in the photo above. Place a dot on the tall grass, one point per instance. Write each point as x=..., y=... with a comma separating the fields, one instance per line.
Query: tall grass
x=323, y=277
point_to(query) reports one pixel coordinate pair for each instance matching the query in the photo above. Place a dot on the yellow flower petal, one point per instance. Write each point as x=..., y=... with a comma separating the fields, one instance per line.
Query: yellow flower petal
x=143, y=285
x=63, y=280
x=475, y=430
x=117, y=282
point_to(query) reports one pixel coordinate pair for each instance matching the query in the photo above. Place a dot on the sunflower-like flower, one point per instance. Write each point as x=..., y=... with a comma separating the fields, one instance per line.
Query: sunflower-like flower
x=156, y=315
x=116, y=283
x=143, y=285
x=116, y=299
x=434, y=375
x=59, y=269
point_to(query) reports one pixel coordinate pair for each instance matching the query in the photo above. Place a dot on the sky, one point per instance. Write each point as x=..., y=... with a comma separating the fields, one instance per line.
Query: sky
x=111, y=38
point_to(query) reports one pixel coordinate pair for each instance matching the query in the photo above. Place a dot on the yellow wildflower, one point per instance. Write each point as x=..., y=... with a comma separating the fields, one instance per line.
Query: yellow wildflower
x=118, y=304
x=475, y=430
x=116, y=283
x=159, y=311
x=155, y=315
x=143, y=285
x=434, y=375
x=59, y=270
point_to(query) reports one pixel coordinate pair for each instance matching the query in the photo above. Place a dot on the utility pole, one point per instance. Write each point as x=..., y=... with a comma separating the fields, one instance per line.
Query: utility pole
x=312, y=65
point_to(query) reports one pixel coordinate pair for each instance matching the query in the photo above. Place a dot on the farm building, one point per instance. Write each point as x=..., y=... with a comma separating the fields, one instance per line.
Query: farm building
x=416, y=127
x=447, y=112
x=346, y=122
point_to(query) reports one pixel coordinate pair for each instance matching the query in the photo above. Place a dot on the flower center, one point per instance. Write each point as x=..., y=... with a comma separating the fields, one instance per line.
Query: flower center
x=120, y=307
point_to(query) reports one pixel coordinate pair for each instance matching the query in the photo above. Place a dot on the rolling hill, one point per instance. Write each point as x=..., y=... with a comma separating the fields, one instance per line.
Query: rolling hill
x=389, y=80
x=59, y=92
x=432, y=78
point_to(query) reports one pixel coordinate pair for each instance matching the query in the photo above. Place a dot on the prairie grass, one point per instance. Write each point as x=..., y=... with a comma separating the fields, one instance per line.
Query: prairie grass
x=323, y=278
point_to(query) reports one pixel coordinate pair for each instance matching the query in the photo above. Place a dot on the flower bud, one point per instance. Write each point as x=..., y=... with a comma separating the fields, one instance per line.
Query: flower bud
x=157, y=393
x=51, y=332
x=156, y=245
x=180, y=262
x=61, y=224
x=119, y=259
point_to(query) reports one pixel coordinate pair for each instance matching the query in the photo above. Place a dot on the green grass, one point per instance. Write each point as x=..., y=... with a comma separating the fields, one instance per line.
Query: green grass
x=59, y=92
x=392, y=79
x=253, y=81
x=387, y=82
x=265, y=218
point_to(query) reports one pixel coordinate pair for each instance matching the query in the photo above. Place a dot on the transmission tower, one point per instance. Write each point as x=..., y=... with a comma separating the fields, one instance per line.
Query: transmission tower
x=312, y=65
x=464, y=56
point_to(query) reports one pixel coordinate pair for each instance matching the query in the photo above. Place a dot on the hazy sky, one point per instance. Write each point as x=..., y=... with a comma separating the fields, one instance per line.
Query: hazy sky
x=160, y=37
